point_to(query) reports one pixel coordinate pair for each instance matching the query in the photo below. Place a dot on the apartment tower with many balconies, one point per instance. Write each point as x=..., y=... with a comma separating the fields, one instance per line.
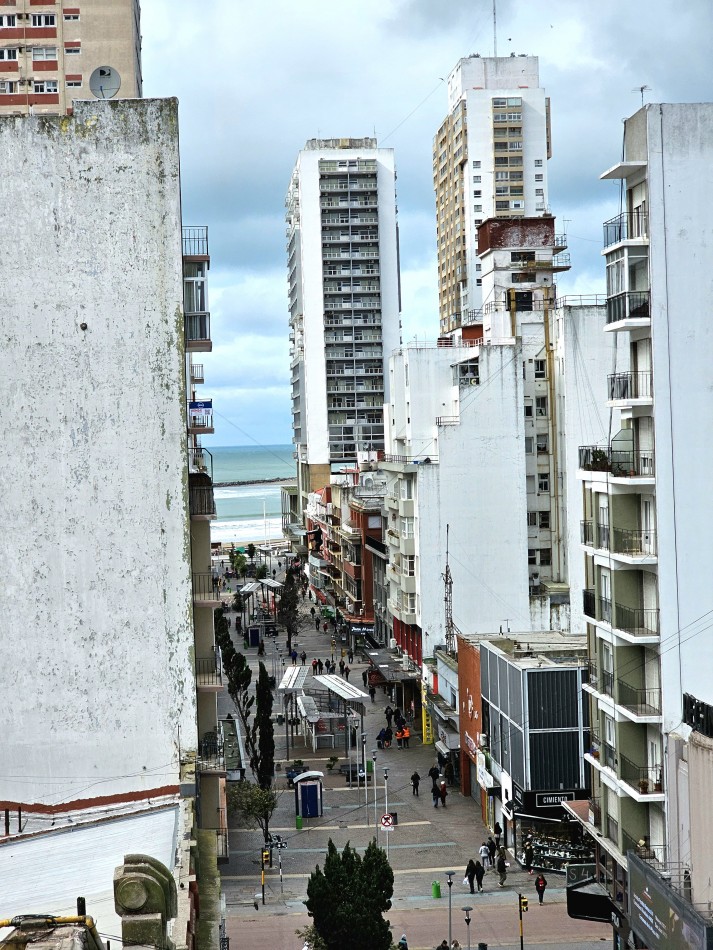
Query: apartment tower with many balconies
x=646, y=537
x=52, y=53
x=489, y=161
x=344, y=298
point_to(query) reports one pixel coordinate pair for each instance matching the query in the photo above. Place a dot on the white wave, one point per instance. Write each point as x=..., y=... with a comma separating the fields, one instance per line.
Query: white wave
x=245, y=530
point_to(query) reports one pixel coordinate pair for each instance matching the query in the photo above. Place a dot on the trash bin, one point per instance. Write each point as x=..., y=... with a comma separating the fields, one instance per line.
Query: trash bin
x=298, y=823
x=482, y=946
x=436, y=889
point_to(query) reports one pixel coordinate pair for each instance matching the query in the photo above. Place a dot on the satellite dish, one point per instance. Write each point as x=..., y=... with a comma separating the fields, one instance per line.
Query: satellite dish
x=104, y=82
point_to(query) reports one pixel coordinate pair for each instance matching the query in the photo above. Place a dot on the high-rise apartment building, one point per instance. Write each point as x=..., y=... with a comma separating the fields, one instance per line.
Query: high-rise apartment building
x=489, y=161
x=647, y=541
x=342, y=249
x=52, y=53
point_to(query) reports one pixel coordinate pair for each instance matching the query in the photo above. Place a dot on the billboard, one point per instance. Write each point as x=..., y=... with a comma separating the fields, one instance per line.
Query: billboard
x=660, y=916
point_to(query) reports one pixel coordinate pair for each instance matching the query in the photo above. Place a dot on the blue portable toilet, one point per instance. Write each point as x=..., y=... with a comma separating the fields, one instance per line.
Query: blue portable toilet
x=308, y=795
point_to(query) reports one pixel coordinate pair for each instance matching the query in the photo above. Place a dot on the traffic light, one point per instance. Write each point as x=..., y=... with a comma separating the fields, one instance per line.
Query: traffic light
x=266, y=854
x=523, y=904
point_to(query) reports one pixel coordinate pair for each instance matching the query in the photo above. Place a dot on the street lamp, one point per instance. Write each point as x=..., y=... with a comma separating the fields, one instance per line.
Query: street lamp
x=386, y=806
x=468, y=919
x=366, y=777
x=449, y=875
x=376, y=821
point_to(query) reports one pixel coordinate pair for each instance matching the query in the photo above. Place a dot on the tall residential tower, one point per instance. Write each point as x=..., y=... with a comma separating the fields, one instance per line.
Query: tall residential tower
x=489, y=161
x=344, y=297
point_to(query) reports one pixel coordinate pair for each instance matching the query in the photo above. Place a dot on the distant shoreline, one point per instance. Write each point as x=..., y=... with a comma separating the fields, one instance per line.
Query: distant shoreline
x=256, y=481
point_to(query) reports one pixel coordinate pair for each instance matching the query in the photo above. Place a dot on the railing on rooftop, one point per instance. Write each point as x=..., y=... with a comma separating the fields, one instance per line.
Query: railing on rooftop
x=195, y=241
x=410, y=459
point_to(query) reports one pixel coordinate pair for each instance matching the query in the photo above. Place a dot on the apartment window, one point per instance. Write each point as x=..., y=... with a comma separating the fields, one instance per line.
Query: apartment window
x=538, y=163
x=520, y=277
x=502, y=189
x=514, y=146
x=528, y=409
x=406, y=489
x=545, y=557
x=544, y=517
x=500, y=116
x=542, y=443
x=478, y=208
x=8, y=54
x=7, y=19
x=532, y=519
x=71, y=16
x=478, y=266
x=477, y=194
x=543, y=481
x=530, y=484
x=541, y=405
x=500, y=161
x=408, y=565
x=476, y=179
x=502, y=176
x=514, y=101
x=407, y=527
x=529, y=445
x=502, y=205
x=44, y=19
x=540, y=191
x=69, y=50
x=42, y=54
x=531, y=556
x=478, y=282
x=476, y=164
x=44, y=85
x=514, y=116
x=74, y=83
x=539, y=177
x=540, y=369
x=7, y=87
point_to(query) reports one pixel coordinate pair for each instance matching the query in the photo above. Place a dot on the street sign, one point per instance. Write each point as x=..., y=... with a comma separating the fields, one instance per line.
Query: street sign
x=387, y=822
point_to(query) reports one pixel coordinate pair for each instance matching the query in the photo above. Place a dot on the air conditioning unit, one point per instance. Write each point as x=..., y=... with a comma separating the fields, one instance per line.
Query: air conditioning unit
x=405, y=661
x=483, y=740
x=392, y=643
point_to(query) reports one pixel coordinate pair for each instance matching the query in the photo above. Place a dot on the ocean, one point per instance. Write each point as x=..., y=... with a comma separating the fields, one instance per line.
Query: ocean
x=250, y=512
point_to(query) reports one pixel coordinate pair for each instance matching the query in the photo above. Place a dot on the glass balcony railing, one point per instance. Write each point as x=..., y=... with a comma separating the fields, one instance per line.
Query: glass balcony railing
x=628, y=226
x=629, y=306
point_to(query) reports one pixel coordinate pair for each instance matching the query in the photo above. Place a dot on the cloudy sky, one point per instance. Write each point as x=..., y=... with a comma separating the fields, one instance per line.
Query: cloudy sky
x=256, y=79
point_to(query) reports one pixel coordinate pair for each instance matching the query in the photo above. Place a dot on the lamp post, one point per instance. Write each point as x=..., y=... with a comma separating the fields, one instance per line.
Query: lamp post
x=468, y=919
x=366, y=777
x=386, y=807
x=449, y=875
x=376, y=819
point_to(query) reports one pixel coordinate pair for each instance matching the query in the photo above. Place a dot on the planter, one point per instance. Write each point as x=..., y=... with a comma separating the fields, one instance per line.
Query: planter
x=644, y=787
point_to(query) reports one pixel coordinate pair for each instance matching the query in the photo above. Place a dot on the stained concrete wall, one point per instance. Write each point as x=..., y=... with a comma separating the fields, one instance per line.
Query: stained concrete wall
x=95, y=595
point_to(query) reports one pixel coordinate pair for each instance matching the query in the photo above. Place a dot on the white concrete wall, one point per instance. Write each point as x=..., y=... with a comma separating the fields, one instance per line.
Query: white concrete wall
x=95, y=653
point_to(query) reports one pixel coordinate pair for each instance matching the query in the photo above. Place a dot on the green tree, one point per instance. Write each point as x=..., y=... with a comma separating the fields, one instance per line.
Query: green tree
x=251, y=551
x=287, y=608
x=252, y=804
x=263, y=763
x=348, y=899
x=239, y=563
x=261, y=572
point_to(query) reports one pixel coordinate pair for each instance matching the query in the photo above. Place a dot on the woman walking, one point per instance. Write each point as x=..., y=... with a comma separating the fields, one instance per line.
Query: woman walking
x=470, y=875
x=540, y=885
x=479, y=875
x=484, y=853
x=502, y=868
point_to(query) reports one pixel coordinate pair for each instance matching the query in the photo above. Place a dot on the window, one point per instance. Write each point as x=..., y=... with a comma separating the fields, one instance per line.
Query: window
x=408, y=565
x=531, y=556
x=476, y=164
x=476, y=179
x=528, y=409
x=502, y=176
x=514, y=116
x=540, y=369
x=478, y=266
x=71, y=16
x=529, y=445
x=44, y=85
x=499, y=103
x=42, y=54
x=74, y=83
x=532, y=519
x=541, y=405
x=7, y=19
x=8, y=54
x=406, y=489
x=544, y=519
x=543, y=443
x=502, y=205
x=69, y=50
x=539, y=177
x=7, y=87
x=478, y=282
x=530, y=484
x=543, y=481
x=44, y=19
x=477, y=194
x=545, y=556
x=478, y=208
x=538, y=163
x=540, y=191
x=519, y=277
x=502, y=189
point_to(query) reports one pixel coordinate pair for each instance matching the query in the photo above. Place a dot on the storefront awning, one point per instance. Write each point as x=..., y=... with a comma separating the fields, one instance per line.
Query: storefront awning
x=443, y=748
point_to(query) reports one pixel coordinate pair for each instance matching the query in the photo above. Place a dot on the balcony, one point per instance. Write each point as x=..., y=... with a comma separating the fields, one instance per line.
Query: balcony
x=633, y=542
x=621, y=463
x=633, y=621
x=205, y=590
x=628, y=226
x=200, y=423
x=211, y=752
x=644, y=778
x=197, y=376
x=201, y=500
x=209, y=671
x=200, y=461
x=195, y=242
x=633, y=306
x=589, y=603
x=197, y=326
x=586, y=533
x=642, y=702
x=627, y=387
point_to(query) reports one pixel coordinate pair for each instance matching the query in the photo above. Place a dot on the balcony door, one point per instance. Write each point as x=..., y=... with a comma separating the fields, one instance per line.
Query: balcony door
x=605, y=595
x=648, y=542
x=645, y=435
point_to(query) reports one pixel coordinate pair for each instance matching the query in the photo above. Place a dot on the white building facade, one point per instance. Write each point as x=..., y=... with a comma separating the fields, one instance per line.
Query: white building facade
x=489, y=160
x=344, y=302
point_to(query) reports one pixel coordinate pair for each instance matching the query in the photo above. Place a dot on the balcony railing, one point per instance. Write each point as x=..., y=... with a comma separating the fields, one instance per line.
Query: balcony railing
x=205, y=587
x=633, y=541
x=644, y=777
x=200, y=460
x=198, y=327
x=195, y=241
x=201, y=500
x=643, y=702
x=593, y=676
x=625, y=386
x=622, y=463
x=595, y=812
x=411, y=459
x=197, y=374
x=211, y=752
x=628, y=226
x=639, y=621
x=607, y=756
x=586, y=531
x=202, y=420
x=628, y=306
x=209, y=670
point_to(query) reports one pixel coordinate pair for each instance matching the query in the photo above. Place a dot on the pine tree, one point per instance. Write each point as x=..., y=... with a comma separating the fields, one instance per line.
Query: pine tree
x=287, y=609
x=348, y=899
x=263, y=762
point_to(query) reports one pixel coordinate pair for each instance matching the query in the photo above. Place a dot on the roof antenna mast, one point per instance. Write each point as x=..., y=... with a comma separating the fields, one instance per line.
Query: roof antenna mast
x=451, y=629
x=495, y=29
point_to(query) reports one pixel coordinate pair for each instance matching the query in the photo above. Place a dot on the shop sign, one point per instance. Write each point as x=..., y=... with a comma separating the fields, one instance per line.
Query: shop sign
x=361, y=628
x=553, y=799
x=485, y=779
x=471, y=745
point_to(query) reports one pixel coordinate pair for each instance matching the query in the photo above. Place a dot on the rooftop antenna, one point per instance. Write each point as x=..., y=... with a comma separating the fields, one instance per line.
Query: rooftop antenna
x=451, y=629
x=495, y=29
x=639, y=89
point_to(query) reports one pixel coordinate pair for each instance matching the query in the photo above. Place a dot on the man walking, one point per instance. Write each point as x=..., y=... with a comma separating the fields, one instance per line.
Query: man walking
x=501, y=867
x=415, y=780
x=320, y=667
x=484, y=853
x=540, y=885
x=491, y=850
x=365, y=678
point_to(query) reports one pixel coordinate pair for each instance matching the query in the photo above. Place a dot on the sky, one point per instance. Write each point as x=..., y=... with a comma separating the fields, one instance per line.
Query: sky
x=256, y=79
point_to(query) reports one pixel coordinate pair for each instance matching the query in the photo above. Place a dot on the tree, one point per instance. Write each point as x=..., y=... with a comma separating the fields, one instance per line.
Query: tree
x=239, y=562
x=287, y=608
x=263, y=762
x=251, y=551
x=347, y=900
x=254, y=805
x=261, y=572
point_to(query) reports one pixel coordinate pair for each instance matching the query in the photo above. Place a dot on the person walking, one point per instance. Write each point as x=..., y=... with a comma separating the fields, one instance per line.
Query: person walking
x=415, y=781
x=484, y=852
x=529, y=854
x=372, y=693
x=347, y=671
x=449, y=773
x=434, y=774
x=341, y=667
x=479, y=875
x=316, y=624
x=470, y=875
x=501, y=867
x=491, y=850
x=443, y=789
x=320, y=667
x=293, y=657
x=303, y=657
x=315, y=664
x=406, y=736
x=388, y=736
x=350, y=655
x=325, y=626
x=435, y=792
x=403, y=943
x=399, y=738
x=540, y=885
x=364, y=678
x=498, y=833
x=389, y=713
